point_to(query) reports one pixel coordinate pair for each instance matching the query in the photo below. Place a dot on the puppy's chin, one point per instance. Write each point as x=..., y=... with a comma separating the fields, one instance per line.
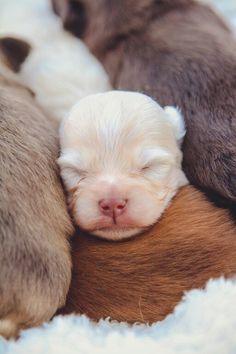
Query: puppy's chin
x=117, y=233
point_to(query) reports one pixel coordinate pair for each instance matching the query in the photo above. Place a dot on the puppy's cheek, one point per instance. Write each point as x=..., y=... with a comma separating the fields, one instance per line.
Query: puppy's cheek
x=147, y=206
x=145, y=211
x=85, y=212
x=71, y=200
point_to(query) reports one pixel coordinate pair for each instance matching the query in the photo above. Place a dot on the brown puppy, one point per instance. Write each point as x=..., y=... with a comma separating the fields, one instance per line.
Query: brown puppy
x=35, y=262
x=180, y=53
x=144, y=278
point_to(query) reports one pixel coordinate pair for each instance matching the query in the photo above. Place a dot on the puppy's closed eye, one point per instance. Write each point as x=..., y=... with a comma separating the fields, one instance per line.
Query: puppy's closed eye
x=72, y=176
x=150, y=166
x=77, y=172
x=71, y=171
x=145, y=168
x=153, y=159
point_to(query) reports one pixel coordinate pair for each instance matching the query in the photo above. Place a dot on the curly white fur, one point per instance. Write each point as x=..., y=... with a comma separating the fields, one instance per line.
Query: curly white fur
x=203, y=323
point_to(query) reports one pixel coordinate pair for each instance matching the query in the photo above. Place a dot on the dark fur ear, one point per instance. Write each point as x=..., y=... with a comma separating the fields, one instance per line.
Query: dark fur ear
x=14, y=51
x=73, y=15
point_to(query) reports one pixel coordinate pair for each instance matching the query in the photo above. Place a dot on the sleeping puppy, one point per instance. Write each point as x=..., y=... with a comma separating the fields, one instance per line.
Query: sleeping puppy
x=143, y=279
x=57, y=67
x=35, y=262
x=180, y=53
x=121, y=162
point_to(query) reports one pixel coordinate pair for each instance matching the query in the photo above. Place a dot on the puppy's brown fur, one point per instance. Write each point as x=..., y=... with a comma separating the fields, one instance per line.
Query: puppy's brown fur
x=181, y=53
x=35, y=263
x=13, y=52
x=144, y=278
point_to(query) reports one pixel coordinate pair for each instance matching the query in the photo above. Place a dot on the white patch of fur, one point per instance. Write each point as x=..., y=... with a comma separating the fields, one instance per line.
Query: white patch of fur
x=203, y=323
x=176, y=119
x=121, y=145
x=59, y=69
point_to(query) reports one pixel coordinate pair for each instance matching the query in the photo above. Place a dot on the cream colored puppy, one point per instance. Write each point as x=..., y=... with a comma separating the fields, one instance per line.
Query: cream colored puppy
x=120, y=162
x=58, y=67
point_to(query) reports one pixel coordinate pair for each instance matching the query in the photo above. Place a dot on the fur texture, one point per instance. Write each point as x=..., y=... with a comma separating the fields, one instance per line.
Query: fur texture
x=59, y=68
x=203, y=323
x=141, y=280
x=121, y=162
x=35, y=262
x=180, y=53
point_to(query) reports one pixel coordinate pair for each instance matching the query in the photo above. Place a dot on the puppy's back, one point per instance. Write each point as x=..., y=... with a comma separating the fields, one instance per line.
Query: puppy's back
x=35, y=262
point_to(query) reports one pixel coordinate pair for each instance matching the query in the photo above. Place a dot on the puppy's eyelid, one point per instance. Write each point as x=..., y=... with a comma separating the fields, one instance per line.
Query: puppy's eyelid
x=70, y=166
x=146, y=167
x=76, y=170
x=80, y=171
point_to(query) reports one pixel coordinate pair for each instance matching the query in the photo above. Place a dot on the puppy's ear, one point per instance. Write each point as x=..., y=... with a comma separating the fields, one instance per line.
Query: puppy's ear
x=73, y=15
x=176, y=119
x=14, y=51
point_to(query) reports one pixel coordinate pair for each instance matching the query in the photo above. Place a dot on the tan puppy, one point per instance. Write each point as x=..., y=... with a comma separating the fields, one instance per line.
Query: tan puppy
x=35, y=264
x=121, y=162
x=143, y=279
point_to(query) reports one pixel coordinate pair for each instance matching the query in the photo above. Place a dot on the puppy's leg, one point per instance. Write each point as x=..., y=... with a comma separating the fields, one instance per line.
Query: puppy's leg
x=8, y=328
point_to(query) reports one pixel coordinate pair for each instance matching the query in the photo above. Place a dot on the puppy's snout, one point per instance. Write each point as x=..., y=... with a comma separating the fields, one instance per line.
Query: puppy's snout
x=112, y=207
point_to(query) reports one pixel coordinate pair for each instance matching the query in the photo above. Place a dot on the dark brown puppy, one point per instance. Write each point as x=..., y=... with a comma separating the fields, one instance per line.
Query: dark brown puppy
x=35, y=262
x=180, y=53
x=144, y=278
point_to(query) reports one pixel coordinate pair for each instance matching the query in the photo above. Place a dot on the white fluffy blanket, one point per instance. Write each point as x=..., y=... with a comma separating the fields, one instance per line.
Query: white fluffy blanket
x=203, y=323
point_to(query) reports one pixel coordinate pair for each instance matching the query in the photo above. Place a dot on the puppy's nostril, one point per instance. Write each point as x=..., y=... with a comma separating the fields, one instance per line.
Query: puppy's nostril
x=112, y=207
x=121, y=205
x=104, y=204
x=106, y=207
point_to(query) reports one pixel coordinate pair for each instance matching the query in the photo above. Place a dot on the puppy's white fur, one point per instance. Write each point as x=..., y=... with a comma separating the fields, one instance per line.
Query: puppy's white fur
x=59, y=69
x=121, y=145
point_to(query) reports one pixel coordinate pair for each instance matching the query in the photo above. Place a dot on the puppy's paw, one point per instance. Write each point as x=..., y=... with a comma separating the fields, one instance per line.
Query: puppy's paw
x=8, y=328
x=176, y=119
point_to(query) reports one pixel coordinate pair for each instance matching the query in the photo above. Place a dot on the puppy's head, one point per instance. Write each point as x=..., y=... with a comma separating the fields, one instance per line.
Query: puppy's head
x=120, y=162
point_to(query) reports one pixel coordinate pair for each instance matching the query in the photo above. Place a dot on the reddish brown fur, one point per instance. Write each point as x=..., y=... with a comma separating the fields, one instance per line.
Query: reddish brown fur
x=144, y=278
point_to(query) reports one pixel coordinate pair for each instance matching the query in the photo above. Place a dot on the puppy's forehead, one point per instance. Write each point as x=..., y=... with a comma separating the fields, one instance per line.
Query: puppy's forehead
x=113, y=118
